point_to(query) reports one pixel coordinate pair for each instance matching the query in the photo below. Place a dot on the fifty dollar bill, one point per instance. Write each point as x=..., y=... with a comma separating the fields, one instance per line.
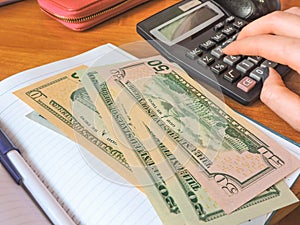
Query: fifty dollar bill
x=231, y=158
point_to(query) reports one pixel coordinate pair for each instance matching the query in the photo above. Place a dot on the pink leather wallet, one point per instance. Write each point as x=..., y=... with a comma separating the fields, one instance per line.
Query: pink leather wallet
x=81, y=15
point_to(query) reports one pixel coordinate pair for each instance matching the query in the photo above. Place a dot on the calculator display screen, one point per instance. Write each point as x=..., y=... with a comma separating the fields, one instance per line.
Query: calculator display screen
x=184, y=24
x=188, y=23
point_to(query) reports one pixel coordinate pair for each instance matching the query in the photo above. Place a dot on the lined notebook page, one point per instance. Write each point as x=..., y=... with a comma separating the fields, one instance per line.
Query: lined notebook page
x=86, y=188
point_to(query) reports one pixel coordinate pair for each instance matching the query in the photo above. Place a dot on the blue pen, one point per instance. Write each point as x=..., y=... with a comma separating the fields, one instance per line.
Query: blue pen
x=6, y=146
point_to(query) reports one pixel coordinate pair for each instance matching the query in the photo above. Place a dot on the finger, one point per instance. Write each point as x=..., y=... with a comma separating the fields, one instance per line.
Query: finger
x=293, y=10
x=281, y=100
x=278, y=22
x=279, y=49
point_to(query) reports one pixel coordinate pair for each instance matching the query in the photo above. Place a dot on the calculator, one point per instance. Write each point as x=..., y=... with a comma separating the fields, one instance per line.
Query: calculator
x=192, y=34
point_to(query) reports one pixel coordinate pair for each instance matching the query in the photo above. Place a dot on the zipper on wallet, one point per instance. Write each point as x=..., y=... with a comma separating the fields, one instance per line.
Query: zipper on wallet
x=84, y=18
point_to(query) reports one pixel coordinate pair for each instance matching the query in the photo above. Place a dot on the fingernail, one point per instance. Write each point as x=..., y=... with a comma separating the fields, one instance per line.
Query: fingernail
x=265, y=74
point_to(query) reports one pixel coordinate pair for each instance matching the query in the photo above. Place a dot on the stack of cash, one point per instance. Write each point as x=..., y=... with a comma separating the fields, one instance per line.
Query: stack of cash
x=196, y=160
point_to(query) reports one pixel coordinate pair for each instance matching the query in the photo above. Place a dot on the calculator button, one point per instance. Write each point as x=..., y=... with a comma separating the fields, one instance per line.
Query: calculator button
x=217, y=52
x=229, y=40
x=218, y=37
x=246, y=84
x=268, y=63
x=232, y=59
x=255, y=59
x=239, y=24
x=206, y=60
x=257, y=73
x=218, y=67
x=245, y=66
x=232, y=75
x=219, y=26
x=230, y=19
x=229, y=31
x=194, y=54
x=207, y=45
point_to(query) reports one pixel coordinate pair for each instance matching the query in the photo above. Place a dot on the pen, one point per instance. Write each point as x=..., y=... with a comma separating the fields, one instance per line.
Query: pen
x=14, y=163
x=5, y=147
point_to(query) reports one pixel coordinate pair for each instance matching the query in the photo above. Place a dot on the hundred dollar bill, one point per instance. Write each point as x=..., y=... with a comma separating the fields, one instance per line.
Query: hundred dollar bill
x=232, y=159
x=63, y=101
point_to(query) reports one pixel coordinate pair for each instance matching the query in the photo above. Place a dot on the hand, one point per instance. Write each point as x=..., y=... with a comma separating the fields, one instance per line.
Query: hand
x=275, y=37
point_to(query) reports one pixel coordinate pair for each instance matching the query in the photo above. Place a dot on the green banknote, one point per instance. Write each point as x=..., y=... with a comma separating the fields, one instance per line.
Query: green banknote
x=232, y=160
x=63, y=101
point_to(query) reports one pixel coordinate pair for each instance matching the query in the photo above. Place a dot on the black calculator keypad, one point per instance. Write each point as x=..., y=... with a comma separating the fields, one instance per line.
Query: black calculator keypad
x=242, y=72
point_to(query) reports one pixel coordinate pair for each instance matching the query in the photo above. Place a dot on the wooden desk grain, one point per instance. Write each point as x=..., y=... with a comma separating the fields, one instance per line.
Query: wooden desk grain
x=29, y=38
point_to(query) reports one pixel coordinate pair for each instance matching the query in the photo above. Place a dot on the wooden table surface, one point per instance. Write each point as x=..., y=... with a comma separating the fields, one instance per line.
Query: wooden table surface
x=29, y=38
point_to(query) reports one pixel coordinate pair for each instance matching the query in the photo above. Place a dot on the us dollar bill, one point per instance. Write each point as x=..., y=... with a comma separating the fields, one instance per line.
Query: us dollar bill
x=232, y=160
x=63, y=101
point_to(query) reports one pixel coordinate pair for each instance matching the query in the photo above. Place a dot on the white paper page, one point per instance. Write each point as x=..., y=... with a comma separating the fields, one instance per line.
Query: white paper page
x=69, y=171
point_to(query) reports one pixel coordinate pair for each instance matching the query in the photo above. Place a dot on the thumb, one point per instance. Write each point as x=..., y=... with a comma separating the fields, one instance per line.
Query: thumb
x=281, y=100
